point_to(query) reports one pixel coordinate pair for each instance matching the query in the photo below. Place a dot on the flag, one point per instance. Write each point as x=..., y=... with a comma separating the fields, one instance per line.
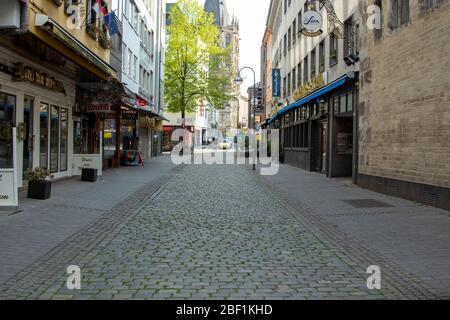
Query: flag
x=100, y=7
x=111, y=21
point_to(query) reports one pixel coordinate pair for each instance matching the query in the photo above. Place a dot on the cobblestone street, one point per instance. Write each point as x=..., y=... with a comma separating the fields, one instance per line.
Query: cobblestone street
x=213, y=232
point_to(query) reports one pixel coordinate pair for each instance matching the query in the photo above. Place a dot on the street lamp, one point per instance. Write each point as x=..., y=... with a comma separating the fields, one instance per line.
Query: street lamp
x=239, y=81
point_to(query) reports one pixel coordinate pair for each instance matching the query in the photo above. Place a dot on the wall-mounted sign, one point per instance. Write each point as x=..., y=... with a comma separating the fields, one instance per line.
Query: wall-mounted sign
x=310, y=86
x=25, y=73
x=312, y=23
x=39, y=49
x=276, y=83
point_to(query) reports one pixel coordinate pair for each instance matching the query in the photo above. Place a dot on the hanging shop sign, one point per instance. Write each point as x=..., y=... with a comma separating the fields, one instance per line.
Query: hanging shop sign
x=312, y=23
x=129, y=114
x=310, y=86
x=276, y=83
x=99, y=108
x=8, y=180
x=26, y=73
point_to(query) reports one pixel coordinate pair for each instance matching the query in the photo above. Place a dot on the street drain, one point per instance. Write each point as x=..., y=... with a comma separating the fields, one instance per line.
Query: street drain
x=366, y=203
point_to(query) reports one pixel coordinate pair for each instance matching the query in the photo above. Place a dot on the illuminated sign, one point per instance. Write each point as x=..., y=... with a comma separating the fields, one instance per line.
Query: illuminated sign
x=312, y=23
x=310, y=86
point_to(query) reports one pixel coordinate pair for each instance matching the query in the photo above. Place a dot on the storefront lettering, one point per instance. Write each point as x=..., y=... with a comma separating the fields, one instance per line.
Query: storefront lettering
x=25, y=73
x=310, y=86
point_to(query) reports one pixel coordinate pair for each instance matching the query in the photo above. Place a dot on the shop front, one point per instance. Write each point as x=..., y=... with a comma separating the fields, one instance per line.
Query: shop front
x=317, y=131
x=37, y=93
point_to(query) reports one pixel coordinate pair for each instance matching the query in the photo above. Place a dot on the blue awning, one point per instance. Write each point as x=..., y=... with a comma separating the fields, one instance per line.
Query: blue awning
x=313, y=95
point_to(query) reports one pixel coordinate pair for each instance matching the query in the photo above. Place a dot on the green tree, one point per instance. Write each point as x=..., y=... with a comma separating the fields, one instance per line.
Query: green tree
x=197, y=68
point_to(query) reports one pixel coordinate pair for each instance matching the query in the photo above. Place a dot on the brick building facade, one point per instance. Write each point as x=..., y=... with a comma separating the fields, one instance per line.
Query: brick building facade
x=404, y=101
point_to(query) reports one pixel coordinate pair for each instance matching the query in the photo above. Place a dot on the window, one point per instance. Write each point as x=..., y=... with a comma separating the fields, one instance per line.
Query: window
x=130, y=62
x=294, y=29
x=305, y=70
x=299, y=19
x=378, y=33
x=54, y=138
x=299, y=74
x=399, y=13
x=135, y=63
x=333, y=50
x=294, y=79
x=64, y=138
x=285, y=6
x=285, y=44
x=289, y=84
x=124, y=58
x=284, y=87
x=343, y=103
x=322, y=56
x=7, y=115
x=289, y=39
x=351, y=37
x=43, y=147
x=313, y=63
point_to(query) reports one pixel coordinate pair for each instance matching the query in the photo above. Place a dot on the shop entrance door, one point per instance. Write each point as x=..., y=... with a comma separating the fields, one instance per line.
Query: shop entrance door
x=7, y=116
x=323, y=147
x=28, y=142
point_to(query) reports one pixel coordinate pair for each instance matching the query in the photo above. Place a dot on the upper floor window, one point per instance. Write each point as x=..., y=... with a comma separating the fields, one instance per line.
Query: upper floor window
x=322, y=56
x=289, y=38
x=285, y=6
x=351, y=30
x=399, y=13
x=294, y=30
x=333, y=50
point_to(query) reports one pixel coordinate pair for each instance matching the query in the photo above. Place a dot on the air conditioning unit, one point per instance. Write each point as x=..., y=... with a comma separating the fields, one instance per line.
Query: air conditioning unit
x=10, y=14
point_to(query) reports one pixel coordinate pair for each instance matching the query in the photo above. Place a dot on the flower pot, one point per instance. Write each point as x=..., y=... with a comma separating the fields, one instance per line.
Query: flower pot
x=39, y=189
x=89, y=175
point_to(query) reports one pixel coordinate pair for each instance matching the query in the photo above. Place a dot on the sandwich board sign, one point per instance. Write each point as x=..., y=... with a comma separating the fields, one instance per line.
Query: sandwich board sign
x=8, y=180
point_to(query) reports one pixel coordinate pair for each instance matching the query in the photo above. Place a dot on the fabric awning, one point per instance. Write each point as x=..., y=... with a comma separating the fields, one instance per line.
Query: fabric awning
x=313, y=95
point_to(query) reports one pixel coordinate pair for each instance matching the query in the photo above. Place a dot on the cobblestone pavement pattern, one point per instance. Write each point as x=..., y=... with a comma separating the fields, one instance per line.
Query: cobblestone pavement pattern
x=213, y=232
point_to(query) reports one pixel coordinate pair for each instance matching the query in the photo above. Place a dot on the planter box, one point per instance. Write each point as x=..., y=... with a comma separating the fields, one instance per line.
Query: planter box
x=40, y=189
x=89, y=175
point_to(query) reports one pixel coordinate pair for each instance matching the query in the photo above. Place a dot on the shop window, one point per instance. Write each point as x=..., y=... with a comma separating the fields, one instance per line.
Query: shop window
x=43, y=146
x=7, y=115
x=343, y=104
x=64, y=139
x=54, y=138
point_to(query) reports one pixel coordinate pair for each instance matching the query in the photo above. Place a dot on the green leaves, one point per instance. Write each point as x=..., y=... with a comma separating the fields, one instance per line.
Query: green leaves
x=195, y=68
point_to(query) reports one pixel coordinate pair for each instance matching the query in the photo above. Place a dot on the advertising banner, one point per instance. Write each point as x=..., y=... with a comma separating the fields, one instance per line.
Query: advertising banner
x=276, y=83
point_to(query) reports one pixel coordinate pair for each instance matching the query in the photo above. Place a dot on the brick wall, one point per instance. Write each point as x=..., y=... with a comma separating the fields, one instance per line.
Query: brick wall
x=404, y=110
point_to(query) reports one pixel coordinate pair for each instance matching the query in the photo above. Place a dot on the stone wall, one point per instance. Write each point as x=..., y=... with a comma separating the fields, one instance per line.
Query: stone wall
x=404, y=109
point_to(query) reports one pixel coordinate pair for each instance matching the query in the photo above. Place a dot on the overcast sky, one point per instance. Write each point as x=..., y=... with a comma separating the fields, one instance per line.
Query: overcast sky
x=252, y=15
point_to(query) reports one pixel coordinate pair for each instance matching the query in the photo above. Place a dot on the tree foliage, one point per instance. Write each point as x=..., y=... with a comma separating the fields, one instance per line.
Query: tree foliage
x=197, y=68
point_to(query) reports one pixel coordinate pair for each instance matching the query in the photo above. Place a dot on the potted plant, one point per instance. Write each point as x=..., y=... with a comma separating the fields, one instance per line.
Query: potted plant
x=39, y=187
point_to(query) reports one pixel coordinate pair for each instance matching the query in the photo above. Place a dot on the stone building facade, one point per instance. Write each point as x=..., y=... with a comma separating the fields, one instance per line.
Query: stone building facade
x=404, y=101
